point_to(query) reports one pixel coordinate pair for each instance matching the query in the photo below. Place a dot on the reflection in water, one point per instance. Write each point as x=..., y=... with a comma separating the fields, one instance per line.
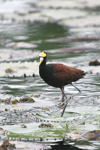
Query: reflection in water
x=62, y=146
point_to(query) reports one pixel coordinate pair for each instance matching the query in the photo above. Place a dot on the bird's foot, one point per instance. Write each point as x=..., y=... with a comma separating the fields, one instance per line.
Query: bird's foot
x=61, y=106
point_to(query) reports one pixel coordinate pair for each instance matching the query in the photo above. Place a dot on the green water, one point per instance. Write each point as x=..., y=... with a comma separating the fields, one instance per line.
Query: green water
x=39, y=33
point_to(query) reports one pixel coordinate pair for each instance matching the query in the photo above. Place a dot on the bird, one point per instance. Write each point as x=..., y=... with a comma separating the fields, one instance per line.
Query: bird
x=58, y=75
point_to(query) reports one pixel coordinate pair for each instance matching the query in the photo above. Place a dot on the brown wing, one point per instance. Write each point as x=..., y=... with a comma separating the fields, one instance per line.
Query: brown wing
x=76, y=74
x=63, y=75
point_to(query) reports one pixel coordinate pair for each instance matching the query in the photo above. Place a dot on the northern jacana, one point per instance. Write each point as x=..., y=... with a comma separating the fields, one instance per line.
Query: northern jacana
x=58, y=75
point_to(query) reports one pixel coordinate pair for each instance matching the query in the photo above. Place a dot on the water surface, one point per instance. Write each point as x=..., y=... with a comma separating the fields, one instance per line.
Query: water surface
x=15, y=85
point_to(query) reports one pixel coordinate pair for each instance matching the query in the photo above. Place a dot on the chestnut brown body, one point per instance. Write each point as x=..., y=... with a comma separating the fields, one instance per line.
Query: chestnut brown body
x=58, y=75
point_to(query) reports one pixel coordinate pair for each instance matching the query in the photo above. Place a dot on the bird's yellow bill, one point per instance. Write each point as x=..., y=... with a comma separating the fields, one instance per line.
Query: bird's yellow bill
x=40, y=62
x=41, y=59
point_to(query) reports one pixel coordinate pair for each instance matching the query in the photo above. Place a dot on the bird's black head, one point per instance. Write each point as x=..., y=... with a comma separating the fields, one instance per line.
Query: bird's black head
x=43, y=57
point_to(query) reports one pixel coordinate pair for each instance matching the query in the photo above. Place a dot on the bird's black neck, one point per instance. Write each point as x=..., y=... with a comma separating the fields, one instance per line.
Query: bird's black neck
x=45, y=71
x=42, y=68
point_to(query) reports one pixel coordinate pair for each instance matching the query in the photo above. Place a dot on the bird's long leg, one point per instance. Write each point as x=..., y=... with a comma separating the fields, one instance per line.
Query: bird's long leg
x=62, y=90
x=63, y=94
x=66, y=102
x=76, y=88
x=65, y=107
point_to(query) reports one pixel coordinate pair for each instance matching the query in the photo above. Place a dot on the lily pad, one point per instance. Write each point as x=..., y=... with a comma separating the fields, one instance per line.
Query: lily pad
x=27, y=99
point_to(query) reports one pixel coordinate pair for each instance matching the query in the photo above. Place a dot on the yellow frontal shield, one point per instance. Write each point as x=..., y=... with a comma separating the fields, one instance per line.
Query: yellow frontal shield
x=42, y=54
